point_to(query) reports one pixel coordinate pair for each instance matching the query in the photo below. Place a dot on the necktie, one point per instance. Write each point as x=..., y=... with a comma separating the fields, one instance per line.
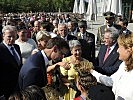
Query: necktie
x=107, y=53
x=15, y=55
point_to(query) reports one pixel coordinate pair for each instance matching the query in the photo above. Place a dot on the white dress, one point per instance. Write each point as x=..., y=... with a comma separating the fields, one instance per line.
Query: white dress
x=26, y=48
x=121, y=82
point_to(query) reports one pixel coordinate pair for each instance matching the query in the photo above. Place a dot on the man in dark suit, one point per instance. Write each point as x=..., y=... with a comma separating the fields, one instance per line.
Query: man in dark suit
x=63, y=32
x=124, y=23
x=33, y=72
x=9, y=66
x=87, y=41
x=108, y=61
x=110, y=22
x=72, y=28
x=1, y=26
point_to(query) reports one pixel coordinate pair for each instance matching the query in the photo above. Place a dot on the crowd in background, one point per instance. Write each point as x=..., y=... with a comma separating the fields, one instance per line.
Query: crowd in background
x=49, y=56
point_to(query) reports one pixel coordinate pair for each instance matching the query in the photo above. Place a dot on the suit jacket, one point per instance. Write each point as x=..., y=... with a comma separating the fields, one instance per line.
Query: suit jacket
x=111, y=64
x=33, y=72
x=88, y=46
x=101, y=32
x=9, y=70
x=127, y=32
x=71, y=37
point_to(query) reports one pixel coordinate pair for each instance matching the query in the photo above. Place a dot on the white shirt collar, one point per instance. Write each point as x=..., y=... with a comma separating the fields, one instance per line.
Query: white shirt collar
x=112, y=47
x=65, y=38
x=125, y=31
x=83, y=35
x=45, y=58
x=9, y=47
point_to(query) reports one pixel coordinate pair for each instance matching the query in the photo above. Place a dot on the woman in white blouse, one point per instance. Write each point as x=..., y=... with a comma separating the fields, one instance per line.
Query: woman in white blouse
x=27, y=45
x=122, y=80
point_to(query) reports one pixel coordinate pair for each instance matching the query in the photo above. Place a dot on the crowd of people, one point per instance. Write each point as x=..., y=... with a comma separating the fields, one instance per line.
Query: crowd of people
x=52, y=57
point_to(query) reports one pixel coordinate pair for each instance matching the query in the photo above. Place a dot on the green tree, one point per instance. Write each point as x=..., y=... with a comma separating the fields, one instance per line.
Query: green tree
x=36, y=5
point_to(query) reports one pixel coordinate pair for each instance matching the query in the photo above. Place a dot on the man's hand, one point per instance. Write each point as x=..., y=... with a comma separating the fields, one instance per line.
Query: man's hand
x=65, y=65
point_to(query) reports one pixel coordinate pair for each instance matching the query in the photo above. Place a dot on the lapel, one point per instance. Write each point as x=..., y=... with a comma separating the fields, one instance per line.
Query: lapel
x=68, y=37
x=89, y=37
x=6, y=51
x=79, y=35
x=86, y=35
x=102, y=52
x=9, y=56
x=112, y=55
x=40, y=59
x=18, y=51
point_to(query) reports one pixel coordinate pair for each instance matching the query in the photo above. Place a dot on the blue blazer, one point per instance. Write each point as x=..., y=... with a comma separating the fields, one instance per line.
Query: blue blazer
x=111, y=64
x=33, y=72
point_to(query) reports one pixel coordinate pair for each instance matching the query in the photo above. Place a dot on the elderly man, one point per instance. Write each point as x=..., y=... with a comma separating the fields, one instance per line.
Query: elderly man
x=10, y=61
x=108, y=59
x=63, y=32
x=72, y=28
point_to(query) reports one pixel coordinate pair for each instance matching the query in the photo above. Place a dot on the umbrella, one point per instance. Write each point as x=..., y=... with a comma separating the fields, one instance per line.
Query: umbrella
x=115, y=6
x=92, y=10
x=75, y=8
x=82, y=9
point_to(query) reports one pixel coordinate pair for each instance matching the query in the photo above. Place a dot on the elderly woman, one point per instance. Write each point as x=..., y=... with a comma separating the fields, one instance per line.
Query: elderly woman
x=122, y=80
x=75, y=62
x=42, y=38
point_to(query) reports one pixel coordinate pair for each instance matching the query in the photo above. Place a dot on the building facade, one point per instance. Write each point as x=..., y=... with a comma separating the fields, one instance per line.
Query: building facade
x=127, y=8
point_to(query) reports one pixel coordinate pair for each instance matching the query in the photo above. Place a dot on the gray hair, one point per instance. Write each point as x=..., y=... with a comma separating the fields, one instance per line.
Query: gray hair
x=62, y=24
x=42, y=35
x=8, y=27
x=55, y=21
x=114, y=33
x=74, y=43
